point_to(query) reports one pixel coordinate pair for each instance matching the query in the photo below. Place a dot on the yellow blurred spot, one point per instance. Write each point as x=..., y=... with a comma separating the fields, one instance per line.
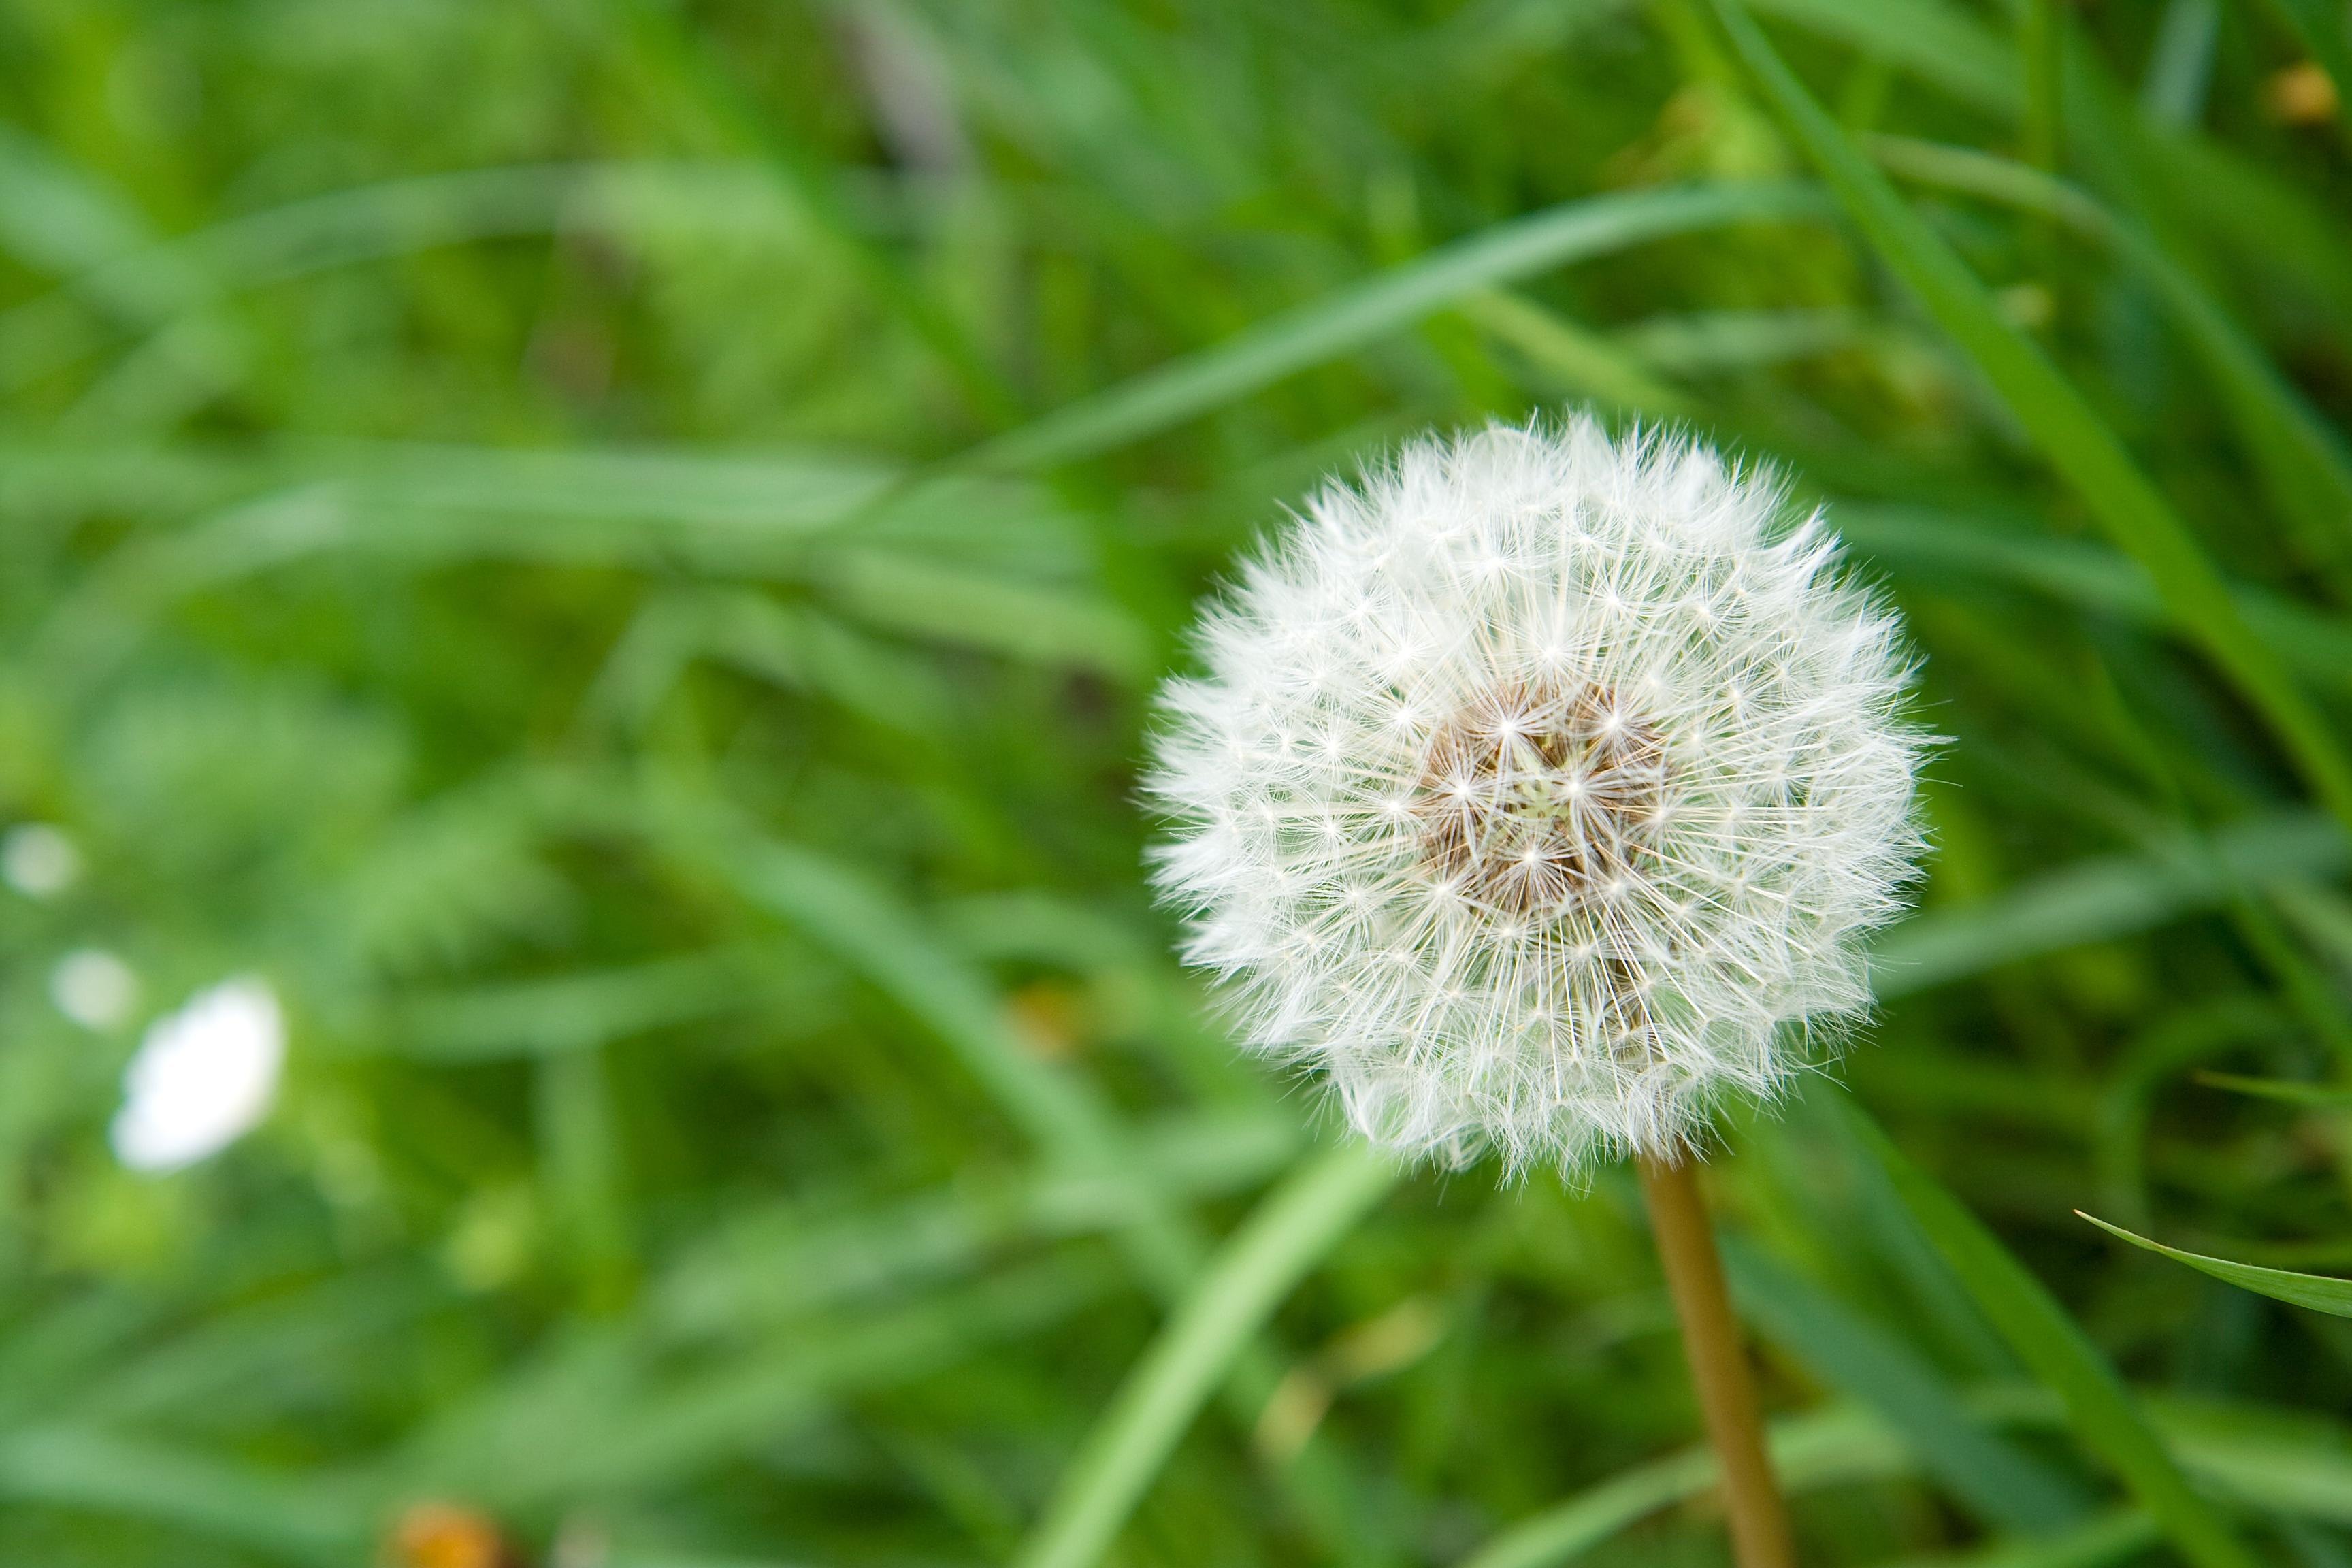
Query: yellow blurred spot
x=1291, y=1414
x=1390, y=1343
x=1703, y=130
x=2300, y=95
x=443, y=1535
x=1049, y=1018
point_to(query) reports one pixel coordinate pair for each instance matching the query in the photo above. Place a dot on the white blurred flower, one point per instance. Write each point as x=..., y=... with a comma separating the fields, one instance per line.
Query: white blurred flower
x=203, y=1078
x=1538, y=790
x=37, y=860
x=94, y=988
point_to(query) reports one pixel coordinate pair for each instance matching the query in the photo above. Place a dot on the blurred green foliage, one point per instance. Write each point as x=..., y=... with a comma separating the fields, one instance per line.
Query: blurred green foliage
x=616, y=552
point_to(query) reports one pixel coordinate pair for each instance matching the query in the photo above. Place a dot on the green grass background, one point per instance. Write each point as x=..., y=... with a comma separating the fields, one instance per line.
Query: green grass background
x=617, y=551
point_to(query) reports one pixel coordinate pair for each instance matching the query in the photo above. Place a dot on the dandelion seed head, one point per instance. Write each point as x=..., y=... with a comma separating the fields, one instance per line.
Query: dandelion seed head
x=1539, y=791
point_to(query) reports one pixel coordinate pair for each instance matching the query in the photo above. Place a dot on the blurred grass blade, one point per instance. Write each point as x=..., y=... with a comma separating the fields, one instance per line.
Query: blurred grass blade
x=1936, y=42
x=2099, y=1408
x=2179, y=74
x=2301, y=457
x=2106, y=896
x=1915, y=542
x=694, y=59
x=2311, y=1094
x=2294, y=1463
x=1581, y=360
x=367, y=223
x=194, y=1370
x=57, y=217
x=2317, y=1291
x=1348, y=318
x=579, y=1010
x=2077, y=443
x=1020, y=620
x=593, y=1413
x=1824, y=1447
x=1283, y=1240
x=1016, y=587
x=841, y=908
x=790, y=644
x=283, y=1517
x=149, y=284
x=2118, y=1537
x=584, y=1170
x=2001, y=1485
x=151, y=288
x=2040, y=45
x=1931, y=1300
x=363, y=223
x=785, y=1259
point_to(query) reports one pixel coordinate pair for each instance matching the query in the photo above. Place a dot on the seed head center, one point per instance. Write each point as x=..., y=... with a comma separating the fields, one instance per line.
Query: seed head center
x=1537, y=798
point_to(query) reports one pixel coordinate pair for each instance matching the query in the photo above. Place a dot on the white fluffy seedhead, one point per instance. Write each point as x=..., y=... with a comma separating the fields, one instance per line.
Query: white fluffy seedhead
x=1539, y=791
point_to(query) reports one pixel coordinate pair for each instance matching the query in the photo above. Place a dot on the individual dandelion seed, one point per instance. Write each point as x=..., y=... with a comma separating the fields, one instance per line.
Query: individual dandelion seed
x=1539, y=791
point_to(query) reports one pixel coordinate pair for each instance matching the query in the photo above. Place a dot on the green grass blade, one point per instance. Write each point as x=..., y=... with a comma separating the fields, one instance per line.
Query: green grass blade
x=150, y=282
x=593, y=1413
x=1998, y=1483
x=1020, y=620
x=2271, y=1458
x=2294, y=1463
x=2071, y=435
x=2099, y=1408
x=287, y=1517
x=2301, y=457
x=790, y=643
x=694, y=60
x=2179, y=74
x=875, y=935
x=1823, y=1447
x=838, y=906
x=1936, y=42
x=1927, y=546
x=790, y=1258
x=194, y=1371
x=57, y=217
x=580, y=1010
x=2115, y=1537
x=1012, y=588
x=1348, y=318
x=584, y=1171
x=1581, y=360
x=368, y=223
x=2317, y=1291
x=2106, y=896
x=2312, y=1094
x=2040, y=40
x=1284, y=1239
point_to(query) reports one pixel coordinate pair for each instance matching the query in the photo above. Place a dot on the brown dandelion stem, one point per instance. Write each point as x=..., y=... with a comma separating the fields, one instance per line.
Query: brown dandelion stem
x=1719, y=1364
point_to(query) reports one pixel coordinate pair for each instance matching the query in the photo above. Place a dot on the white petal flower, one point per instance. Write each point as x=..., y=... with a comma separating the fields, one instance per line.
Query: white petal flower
x=202, y=1079
x=1538, y=791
